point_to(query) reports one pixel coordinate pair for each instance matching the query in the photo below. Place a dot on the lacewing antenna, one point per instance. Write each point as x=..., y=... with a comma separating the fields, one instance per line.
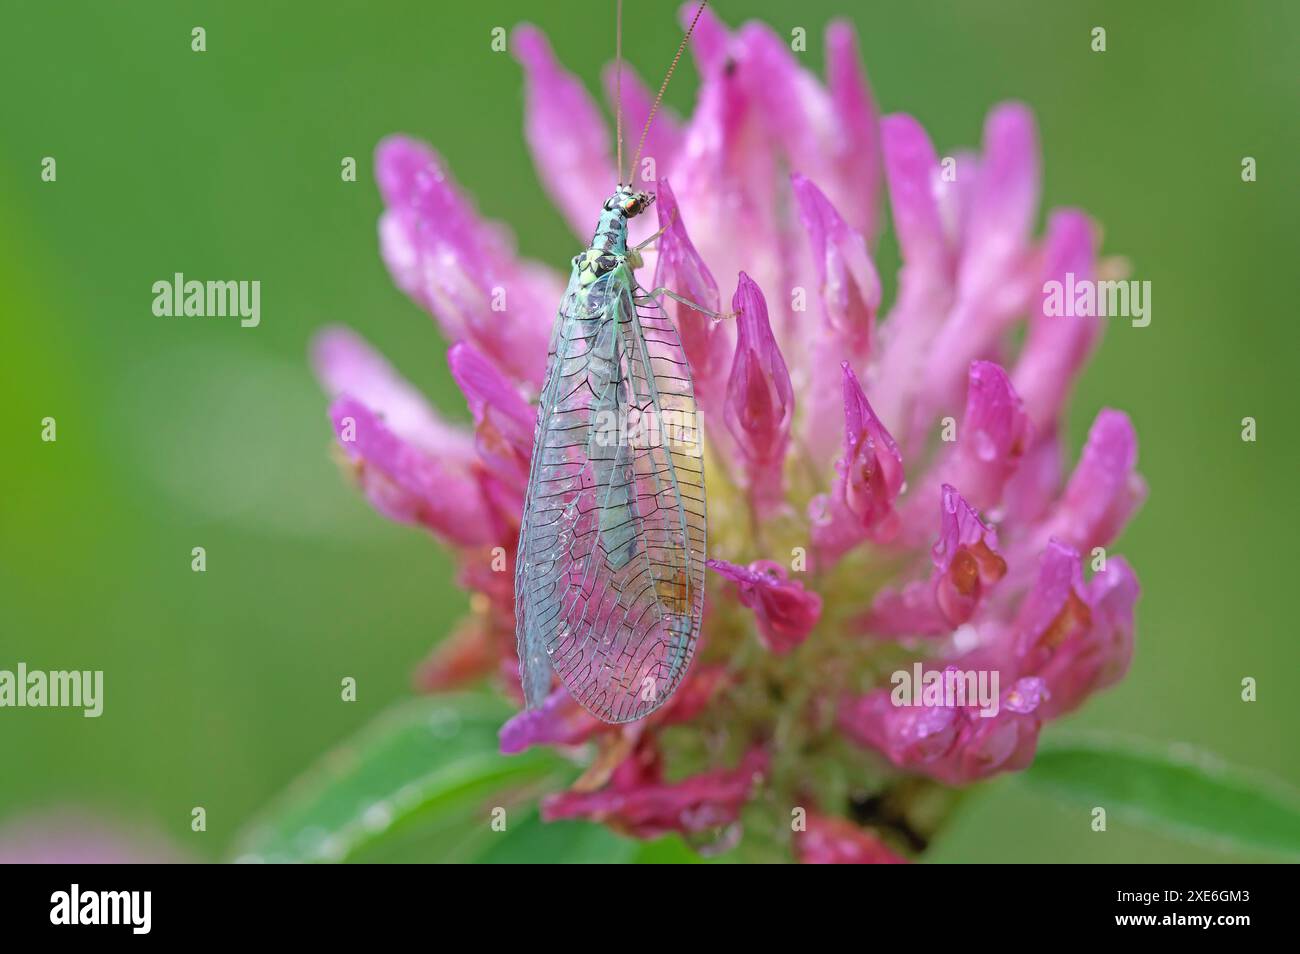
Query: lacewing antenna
x=618, y=86
x=658, y=98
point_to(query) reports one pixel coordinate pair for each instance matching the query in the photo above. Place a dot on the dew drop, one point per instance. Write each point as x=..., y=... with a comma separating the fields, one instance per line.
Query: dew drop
x=377, y=817
x=965, y=637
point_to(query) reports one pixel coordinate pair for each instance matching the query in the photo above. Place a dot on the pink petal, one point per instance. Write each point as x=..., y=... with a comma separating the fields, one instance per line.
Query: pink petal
x=1113, y=594
x=912, y=173
x=797, y=112
x=710, y=38
x=503, y=500
x=566, y=133
x=1005, y=197
x=857, y=153
x=760, y=397
x=559, y=721
x=1057, y=345
x=405, y=482
x=692, y=806
x=872, y=468
x=460, y=268
x=1036, y=482
x=431, y=239
x=966, y=559
x=956, y=745
x=966, y=566
x=1077, y=639
x=995, y=280
x=993, y=436
x=1054, y=610
x=706, y=341
x=1105, y=488
x=726, y=177
x=848, y=292
x=1005, y=742
x=869, y=478
x=803, y=120
x=836, y=841
x=925, y=282
x=1027, y=695
x=345, y=364
x=850, y=287
x=410, y=173
x=785, y=611
x=910, y=610
x=503, y=420
x=910, y=736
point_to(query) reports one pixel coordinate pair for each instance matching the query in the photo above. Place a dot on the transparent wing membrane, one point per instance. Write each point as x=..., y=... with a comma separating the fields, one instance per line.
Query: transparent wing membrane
x=610, y=580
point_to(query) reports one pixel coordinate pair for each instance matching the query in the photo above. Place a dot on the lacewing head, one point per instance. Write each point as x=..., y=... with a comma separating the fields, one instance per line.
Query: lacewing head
x=629, y=202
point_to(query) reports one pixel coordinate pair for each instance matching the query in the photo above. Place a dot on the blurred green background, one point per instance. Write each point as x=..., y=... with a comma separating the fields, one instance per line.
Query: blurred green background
x=222, y=686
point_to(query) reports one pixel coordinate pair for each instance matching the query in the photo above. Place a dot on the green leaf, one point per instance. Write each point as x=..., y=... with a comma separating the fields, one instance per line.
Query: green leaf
x=1180, y=791
x=528, y=840
x=670, y=850
x=430, y=766
x=531, y=840
x=419, y=784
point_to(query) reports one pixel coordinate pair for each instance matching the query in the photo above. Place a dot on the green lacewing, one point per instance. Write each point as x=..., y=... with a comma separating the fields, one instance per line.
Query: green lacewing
x=609, y=577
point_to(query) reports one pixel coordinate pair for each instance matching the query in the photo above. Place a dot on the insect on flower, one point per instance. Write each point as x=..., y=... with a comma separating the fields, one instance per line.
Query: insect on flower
x=969, y=556
x=609, y=581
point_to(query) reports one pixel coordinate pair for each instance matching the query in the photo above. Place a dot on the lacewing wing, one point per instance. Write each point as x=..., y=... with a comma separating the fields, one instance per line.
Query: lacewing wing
x=609, y=580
